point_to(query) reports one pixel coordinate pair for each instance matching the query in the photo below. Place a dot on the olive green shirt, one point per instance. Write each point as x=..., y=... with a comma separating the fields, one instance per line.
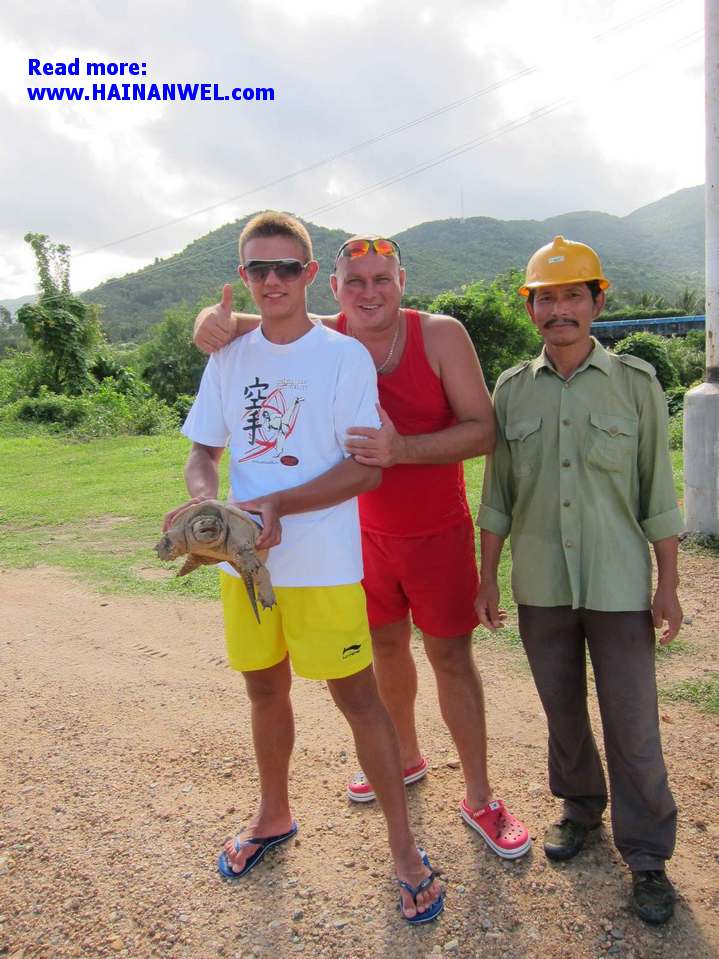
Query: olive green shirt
x=580, y=480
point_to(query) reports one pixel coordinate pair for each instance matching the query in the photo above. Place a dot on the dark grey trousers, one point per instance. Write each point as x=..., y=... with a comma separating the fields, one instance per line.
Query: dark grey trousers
x=621, y=648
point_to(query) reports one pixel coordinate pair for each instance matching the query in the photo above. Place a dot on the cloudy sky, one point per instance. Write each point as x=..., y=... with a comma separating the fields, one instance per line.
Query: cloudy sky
x=543, y=108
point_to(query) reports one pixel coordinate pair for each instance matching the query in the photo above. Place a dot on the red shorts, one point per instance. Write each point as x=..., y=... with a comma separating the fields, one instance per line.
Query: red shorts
x=433, y=576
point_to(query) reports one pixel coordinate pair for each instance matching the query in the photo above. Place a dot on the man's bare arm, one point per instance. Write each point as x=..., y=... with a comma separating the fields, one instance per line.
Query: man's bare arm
x=665, y=604
x=452, y=354
x=487, y=602
x=218, y=325
x=341, y=482
x=201, y=478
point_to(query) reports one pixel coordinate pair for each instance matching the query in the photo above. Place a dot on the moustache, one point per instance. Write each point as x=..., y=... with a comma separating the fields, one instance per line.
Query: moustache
x=563, y=322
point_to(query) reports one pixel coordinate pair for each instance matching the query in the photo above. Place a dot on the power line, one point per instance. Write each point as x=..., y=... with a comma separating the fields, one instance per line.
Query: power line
x=320, y=163
x=453, y=105
x=456, y=151
x=484, y=138
x=437, y=160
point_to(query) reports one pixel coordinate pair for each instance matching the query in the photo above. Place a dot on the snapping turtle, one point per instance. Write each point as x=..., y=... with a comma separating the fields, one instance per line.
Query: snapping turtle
x=211, y=532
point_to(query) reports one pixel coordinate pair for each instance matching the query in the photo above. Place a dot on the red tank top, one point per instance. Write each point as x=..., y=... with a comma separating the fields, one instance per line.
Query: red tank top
x=414, y=500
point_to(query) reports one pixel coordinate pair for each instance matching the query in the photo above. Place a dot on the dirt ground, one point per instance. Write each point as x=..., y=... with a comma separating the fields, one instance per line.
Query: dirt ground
x=127, y=759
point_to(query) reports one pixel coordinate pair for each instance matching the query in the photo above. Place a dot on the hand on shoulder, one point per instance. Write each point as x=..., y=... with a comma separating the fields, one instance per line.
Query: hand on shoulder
x=217, y=325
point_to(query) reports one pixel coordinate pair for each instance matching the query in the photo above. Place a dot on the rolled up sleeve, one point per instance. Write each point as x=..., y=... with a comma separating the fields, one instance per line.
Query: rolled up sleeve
x=659, y=515
x=494, y=521
x=664, y=525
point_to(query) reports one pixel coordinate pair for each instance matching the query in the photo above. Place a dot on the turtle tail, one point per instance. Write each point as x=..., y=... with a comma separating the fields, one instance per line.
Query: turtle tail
x=250, y=587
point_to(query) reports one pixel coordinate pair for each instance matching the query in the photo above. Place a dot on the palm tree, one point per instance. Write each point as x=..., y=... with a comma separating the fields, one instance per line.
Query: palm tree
x=690, y=302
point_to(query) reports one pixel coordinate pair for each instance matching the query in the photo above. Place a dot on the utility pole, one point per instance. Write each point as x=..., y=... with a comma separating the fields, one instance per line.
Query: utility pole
x=701, y=404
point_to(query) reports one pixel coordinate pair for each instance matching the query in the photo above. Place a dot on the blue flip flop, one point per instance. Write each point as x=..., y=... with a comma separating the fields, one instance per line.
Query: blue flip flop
x=437, y=906
x=264, y=842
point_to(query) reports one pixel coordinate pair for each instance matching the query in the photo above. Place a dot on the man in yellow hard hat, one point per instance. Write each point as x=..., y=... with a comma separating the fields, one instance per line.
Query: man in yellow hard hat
x=581, y=476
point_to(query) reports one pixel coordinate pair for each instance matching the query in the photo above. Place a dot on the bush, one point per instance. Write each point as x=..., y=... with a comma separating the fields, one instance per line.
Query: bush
x=22, y=374
x=633, y=313
x=51, y=408
x=107, y=366
x=676, y=431
x=182, y=405
x=687, y=355
x=26, y=374
x=652, y=349
x=497, y=324
x=417, y=301
x=171, y=363
x=150, y=416
x=111, y=411
x=675, y=399
x=108, y=411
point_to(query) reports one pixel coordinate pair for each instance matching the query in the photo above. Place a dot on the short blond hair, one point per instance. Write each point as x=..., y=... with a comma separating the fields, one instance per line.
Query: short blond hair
x=271, y=223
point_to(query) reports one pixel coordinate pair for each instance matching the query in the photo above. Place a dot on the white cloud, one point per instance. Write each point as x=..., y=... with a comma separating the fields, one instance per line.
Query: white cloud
x=311, y=10
x=90, y=174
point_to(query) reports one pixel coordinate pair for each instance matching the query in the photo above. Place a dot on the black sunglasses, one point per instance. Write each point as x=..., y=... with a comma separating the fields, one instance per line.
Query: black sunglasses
x=287, y=269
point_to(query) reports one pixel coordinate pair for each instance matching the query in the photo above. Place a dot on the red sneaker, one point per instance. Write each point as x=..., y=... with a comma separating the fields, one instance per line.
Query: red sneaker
x=360, y=789
x=502, y=831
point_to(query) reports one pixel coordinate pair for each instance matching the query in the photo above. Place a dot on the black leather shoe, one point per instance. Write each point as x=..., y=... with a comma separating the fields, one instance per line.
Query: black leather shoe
x=564, y=839
x=653, y=896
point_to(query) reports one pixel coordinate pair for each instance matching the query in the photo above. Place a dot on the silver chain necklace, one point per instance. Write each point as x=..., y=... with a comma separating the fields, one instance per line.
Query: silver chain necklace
x=388, y=359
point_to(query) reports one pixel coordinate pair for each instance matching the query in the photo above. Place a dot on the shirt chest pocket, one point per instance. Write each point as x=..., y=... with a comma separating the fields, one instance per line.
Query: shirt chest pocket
x=611, y=441
x=525, y=443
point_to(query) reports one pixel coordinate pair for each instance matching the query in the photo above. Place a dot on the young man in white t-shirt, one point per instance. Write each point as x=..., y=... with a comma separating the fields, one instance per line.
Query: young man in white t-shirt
x=282, y=399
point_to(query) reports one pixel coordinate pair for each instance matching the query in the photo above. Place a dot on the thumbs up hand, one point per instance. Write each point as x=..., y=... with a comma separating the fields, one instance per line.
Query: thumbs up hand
x=215, y=326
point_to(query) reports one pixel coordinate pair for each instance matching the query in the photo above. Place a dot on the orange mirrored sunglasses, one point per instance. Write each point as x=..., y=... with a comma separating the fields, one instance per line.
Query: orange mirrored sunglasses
x=353, y=249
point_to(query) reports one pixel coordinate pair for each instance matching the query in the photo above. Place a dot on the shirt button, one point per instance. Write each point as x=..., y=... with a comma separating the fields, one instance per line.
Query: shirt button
x=566, y=422
x=568, y=542
x=566, y=462
x=566, y=385
x=566, y=503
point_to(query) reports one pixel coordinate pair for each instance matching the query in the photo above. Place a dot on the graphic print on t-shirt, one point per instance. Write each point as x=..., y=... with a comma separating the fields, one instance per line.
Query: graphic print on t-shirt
x=269, y=421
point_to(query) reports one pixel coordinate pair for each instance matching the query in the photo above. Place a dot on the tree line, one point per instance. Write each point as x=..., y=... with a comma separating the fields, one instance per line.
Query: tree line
x=60, y=373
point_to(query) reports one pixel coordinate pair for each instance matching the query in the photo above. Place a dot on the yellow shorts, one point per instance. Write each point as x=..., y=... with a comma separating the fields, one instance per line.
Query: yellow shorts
x=323, y=628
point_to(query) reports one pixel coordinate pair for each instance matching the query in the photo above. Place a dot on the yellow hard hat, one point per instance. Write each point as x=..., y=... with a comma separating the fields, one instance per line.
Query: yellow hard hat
x=563, y=261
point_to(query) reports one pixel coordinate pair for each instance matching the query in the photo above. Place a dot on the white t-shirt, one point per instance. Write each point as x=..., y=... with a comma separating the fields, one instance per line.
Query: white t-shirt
x=285, y=409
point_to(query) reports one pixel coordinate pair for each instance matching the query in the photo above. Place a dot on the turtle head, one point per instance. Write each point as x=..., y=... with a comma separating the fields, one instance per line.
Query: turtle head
x=170, y=547
x=207, y=529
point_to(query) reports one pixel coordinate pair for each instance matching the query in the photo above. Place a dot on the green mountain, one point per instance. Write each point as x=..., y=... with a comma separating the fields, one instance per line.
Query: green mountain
x=133, y=303
x=12, y=306
x=659, y=247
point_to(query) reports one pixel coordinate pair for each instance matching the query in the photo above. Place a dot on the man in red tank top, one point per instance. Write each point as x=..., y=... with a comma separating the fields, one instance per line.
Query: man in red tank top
x=417, y=533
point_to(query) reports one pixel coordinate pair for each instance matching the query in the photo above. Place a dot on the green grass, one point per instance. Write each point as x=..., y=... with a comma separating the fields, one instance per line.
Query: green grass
x=95, y=508
x=678, y=471
x=677, y=647
x=702, y=544
x=509, y=635
x=703, y=693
